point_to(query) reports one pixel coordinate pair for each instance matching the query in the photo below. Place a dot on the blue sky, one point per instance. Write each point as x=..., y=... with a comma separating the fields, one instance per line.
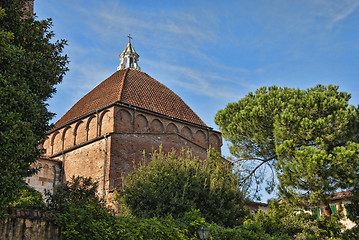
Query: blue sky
x=208, y=52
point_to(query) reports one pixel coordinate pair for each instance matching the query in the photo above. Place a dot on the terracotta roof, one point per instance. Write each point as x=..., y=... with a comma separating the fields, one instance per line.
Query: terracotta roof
x=342, y=195
x=138, y=89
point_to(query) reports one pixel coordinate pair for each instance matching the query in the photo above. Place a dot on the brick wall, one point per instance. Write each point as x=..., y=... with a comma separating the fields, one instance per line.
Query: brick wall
x=80, y=144
x=89, y=161
x=125, y=120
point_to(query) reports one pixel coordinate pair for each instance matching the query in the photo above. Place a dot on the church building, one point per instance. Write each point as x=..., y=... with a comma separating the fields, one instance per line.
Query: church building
x=118, y=123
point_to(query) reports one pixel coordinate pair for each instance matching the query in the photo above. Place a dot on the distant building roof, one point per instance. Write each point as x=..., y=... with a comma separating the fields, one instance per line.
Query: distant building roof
x=342, y=195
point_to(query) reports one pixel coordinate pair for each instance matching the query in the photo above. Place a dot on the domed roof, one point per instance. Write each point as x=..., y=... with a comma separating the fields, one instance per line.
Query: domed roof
x=135, y=88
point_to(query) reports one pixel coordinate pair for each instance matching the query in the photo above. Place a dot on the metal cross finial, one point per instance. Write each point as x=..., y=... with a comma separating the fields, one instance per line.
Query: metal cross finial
x=129, y=38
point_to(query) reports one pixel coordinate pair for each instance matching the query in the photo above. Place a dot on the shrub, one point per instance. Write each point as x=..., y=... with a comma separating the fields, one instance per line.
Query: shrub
x=80, y=211
x=176, y=183
x=29, y=199
x=285, y=219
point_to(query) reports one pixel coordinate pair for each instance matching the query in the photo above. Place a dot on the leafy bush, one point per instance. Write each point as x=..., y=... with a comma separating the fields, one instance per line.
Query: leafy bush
x=80, y=211
x=128, y=228
x=285, y=219
x=176, y=183
x=82, y=214
x=246, y=231
x=29, y=199
x=190, y=223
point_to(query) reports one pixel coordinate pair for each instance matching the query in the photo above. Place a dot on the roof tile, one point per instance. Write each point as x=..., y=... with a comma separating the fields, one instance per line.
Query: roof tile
x=138, y=89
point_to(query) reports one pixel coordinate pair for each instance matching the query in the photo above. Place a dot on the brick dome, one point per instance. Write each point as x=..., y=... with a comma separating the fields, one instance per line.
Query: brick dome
x=135, y=88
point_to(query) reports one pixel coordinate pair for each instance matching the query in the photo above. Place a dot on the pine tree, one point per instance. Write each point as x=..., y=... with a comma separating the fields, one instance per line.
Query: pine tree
x=309, y=138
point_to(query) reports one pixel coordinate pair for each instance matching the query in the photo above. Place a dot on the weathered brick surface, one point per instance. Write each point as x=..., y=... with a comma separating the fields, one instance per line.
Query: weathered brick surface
x=127, y=149
x=48, y=175
x=88, y=161
x=123, y=120
x=128, y=130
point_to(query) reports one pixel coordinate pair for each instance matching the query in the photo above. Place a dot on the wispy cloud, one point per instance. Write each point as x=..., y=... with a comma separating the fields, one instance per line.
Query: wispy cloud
x=169, y=33
x=201, y=83
x=346, y=11
x=88, y=76
x=114, y=18
x=164, y=33
x=210, y=50
x=334, y=11
x=85, y=71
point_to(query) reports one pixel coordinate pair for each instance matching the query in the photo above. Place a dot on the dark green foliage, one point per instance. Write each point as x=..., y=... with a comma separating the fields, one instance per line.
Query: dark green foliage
x=137, y=228
x=29, y=199
x=79, y=191
x=186, y=228
x=80, y=211
x=285, y=219
x=82, y=215
x=247, y=231
x=30, y=66
x=176, y=183
x=307, y=137
x=352, y=209
x=190, y=223
x=90, y=222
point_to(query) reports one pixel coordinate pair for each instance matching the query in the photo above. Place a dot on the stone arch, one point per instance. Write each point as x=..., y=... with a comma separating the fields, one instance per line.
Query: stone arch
x=68, y=137
x=141, y=124
x=171, y=128
x=80, y=133
x=53, y=138
x=105, y=122
x=157, y=126
x=200, y=138
x=47, y=146
x=186, y=132
x=124, y=121
x=215, y=142
x=56, y=143
x=91, y=127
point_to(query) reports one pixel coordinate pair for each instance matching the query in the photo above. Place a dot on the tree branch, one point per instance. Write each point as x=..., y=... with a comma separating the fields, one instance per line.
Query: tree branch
x=254, y=158
x=263, y=161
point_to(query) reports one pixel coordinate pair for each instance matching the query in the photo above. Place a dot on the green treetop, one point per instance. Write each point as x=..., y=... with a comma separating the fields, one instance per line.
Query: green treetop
x=309, y=138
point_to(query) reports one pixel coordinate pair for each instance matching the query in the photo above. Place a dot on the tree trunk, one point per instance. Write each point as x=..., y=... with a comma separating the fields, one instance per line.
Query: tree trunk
x=326, y=209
